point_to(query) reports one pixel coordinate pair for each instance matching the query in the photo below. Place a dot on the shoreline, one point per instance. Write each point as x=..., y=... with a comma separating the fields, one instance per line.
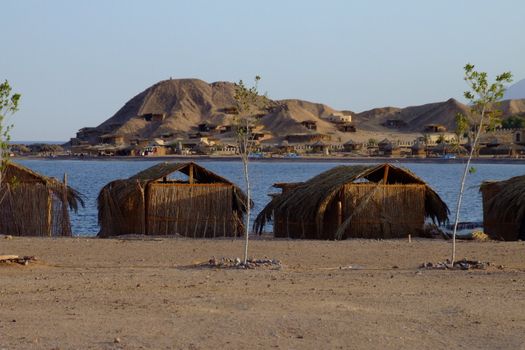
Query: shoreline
x=324, y=159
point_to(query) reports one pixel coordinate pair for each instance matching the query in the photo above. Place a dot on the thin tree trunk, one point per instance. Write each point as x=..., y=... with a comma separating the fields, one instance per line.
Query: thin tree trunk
x=248, y=209
x=245, y=159
x=462, y=187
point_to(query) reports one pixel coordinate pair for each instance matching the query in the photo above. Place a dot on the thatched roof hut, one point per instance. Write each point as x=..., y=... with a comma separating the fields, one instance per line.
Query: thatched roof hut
x=504, y=208
x=418, y=149
x=388, y=148
x=203, y=204
x=35, y=205
x=380, y=201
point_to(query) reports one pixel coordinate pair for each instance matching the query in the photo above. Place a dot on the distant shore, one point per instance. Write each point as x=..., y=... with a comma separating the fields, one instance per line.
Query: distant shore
x=307, y=159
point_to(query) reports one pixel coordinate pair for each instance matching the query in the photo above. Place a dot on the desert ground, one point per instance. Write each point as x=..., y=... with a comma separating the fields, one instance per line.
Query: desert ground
x=144, y=293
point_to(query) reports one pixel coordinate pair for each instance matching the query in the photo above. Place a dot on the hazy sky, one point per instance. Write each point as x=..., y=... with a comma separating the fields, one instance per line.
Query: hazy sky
x=77, y=62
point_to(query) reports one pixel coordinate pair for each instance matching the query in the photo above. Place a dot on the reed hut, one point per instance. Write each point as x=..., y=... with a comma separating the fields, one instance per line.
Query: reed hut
x=381, y=201
x=504, y=208
x=35, y=205
x=199, y=203
x=418, y=149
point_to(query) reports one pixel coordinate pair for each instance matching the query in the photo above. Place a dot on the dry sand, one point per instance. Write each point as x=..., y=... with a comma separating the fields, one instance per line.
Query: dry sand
x=138, y=294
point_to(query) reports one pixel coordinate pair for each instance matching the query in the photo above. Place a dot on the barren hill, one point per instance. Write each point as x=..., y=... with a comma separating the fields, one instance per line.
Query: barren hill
x=186, y=103
x=414, y=117
x=516, y=91
x=176, y=107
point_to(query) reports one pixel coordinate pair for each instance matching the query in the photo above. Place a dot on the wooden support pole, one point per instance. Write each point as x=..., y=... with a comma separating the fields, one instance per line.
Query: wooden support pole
x=339, y=213
x=66, y=228
x=49, y=212
x=385, y=176
x=191, y=174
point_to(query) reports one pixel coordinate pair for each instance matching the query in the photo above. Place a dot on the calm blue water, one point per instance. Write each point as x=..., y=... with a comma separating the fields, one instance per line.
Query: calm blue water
x=89, y=177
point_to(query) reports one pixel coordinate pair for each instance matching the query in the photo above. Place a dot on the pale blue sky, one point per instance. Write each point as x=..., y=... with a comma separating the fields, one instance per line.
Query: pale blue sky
x=77, y=62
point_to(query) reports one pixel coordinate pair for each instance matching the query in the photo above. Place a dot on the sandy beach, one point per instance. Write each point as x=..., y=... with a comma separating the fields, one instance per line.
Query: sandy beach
x=357, y=294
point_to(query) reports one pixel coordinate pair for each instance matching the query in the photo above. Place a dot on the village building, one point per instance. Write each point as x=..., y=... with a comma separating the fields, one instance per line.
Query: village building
x=346, y=127
x=339, y=117
x=418, y=149
x=439, y=137
x=310, y=124
x=351, y=146
x=112, y=139
x=434, y=128
x=320, y=147
x=388, y=148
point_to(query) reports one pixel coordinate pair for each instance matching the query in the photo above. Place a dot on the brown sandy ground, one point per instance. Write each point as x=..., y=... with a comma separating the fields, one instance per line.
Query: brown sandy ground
x=85, y=293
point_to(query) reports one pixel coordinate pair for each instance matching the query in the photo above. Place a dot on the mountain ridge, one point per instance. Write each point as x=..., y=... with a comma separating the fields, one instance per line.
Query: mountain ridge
x=186, y=103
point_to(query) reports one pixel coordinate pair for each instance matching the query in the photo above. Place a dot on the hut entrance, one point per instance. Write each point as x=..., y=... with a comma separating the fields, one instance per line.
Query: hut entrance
x=521, y=234
x=195, y=210
x=383, y=211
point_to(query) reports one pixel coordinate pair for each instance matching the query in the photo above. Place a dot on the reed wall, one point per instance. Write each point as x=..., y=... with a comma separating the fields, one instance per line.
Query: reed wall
x=376, y=211
x=31, y=209
x=191, y=210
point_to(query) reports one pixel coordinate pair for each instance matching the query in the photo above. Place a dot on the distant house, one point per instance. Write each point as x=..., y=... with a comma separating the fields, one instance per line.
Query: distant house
x=435, y=138
x=346, y=127
x=339, y=117
x=320, y=147
x=351, y=146
x=388, y=148
x=309, y=124
x=112, y=139
x=435, y=128
x=208, y=127
x=285, y=147
x=418, y=149
x=140, y=142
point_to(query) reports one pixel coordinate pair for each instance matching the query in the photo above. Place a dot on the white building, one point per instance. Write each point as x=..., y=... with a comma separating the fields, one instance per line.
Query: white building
x=339, y=117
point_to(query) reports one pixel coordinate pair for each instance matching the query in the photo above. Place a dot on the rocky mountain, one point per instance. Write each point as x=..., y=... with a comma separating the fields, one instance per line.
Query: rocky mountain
x=516, y=91
x=414, y=118
x=176, y=107
x=183, y=104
